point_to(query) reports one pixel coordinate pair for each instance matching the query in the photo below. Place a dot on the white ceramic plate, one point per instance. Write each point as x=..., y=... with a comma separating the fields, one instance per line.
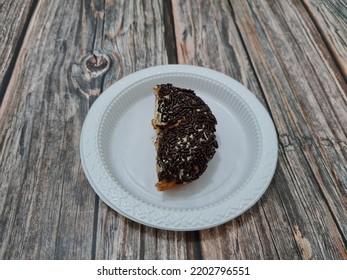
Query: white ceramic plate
x=118, y=153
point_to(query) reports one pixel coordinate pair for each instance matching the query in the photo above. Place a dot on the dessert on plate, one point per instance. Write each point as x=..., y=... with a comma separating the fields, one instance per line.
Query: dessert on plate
x=186, y=139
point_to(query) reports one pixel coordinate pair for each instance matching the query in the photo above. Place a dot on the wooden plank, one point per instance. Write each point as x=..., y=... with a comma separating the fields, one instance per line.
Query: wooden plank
x=120, y=238
x=330, y=17
x=306, y=94
x=307, y=112
x=47, y=207
x=207, y=36
x=46, y=204
x=14, y=18
x=134, y=38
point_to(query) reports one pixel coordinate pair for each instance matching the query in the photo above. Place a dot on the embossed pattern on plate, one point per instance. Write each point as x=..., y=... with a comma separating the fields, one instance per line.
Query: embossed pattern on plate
x=118, y=154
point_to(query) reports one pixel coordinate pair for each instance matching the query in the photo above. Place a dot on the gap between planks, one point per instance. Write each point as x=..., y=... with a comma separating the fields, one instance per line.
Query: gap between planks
x=339, y=64
x=17, y=48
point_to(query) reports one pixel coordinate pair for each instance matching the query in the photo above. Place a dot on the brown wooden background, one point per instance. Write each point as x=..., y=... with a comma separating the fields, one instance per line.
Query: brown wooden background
x=56, y=58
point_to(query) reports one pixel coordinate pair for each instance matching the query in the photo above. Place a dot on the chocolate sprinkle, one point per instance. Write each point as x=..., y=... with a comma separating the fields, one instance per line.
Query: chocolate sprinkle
x=186, y=139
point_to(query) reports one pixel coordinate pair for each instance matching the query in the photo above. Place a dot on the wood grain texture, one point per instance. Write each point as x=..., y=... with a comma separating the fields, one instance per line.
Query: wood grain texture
x=61, y=55
x=207, y=36
x=306, y=95
x=304, y=91
x=14, y=18
x=46, y=204
x=70, y=60
x=133, y=36
x=331, y=19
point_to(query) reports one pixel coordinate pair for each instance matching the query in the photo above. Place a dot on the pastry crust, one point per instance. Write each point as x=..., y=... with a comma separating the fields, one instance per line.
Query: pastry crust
x=186, y=139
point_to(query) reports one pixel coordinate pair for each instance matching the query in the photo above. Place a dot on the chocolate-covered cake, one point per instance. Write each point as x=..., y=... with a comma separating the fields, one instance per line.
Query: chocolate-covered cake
x=186, y=139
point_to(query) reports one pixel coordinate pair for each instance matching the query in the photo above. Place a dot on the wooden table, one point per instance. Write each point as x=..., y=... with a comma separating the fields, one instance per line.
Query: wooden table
x=57, y=57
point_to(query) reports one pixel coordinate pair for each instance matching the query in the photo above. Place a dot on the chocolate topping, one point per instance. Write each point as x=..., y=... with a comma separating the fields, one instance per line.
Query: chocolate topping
x=186, y=134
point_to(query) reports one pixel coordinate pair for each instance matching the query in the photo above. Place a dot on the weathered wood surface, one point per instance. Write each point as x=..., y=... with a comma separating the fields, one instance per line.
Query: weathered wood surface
x=306, y=96
x=14, y=18
x=46, y=208
x=285, y=52
x=290, y=68
x=330, y=18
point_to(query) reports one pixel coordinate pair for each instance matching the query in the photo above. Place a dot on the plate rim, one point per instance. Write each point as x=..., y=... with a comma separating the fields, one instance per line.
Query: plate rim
x=267, y=130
